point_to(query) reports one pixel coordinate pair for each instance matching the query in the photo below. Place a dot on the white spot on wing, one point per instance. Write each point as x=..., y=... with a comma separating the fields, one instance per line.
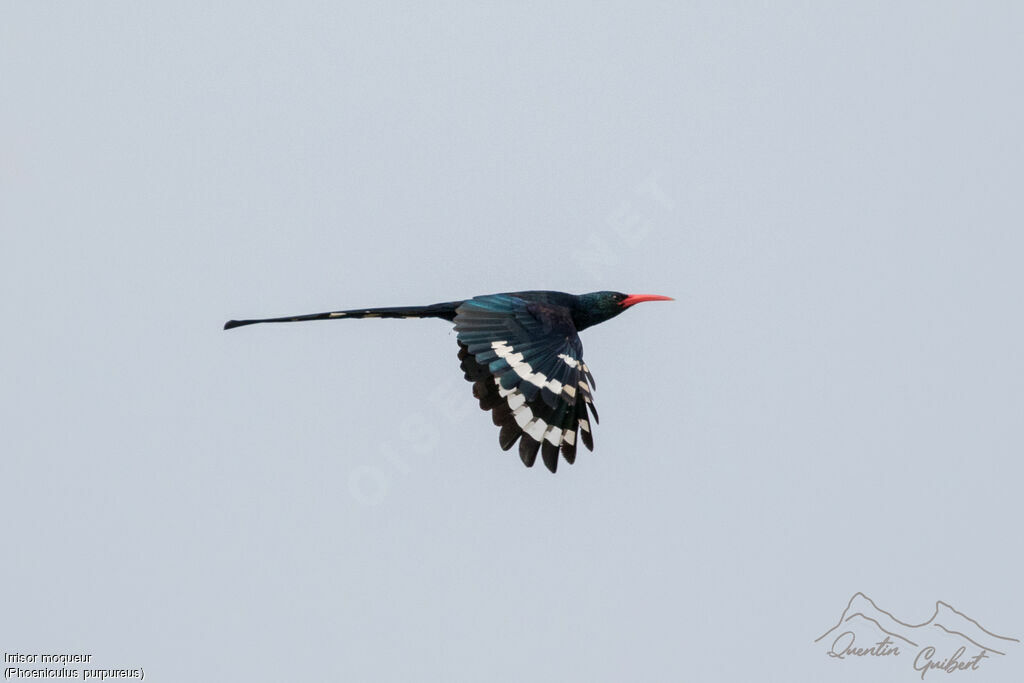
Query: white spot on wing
x=554, y=435
x=524, y=369
x=536, y=429
x=515, y=400
x=523, y=415
x=568, y=360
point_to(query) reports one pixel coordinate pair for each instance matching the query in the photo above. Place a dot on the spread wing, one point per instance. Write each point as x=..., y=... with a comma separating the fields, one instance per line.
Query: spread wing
x=525, y=360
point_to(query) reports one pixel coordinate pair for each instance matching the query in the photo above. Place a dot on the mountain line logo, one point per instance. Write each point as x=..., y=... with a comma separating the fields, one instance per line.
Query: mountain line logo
x=949, y=641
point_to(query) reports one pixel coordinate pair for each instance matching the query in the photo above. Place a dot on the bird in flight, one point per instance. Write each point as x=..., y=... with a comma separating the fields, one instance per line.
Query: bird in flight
x=524, y=357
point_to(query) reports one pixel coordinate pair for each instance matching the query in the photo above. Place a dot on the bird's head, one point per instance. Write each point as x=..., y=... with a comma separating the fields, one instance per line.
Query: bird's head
x=597, y=307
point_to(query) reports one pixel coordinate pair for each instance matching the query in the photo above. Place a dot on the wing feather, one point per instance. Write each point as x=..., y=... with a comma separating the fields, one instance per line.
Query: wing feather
x=525, y=360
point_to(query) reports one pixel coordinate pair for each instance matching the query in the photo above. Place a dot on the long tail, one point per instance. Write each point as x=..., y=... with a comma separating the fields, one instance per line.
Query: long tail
x=445, y=311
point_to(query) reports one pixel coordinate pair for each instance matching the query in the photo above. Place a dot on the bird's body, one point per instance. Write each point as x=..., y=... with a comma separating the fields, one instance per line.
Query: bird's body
x=522, y=352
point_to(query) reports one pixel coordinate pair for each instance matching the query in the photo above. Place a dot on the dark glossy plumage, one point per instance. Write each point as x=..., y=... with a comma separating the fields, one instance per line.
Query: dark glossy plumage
x=524, y=357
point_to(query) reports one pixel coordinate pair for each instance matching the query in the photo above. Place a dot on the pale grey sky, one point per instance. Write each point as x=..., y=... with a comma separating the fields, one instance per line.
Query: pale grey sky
x=833, y=404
